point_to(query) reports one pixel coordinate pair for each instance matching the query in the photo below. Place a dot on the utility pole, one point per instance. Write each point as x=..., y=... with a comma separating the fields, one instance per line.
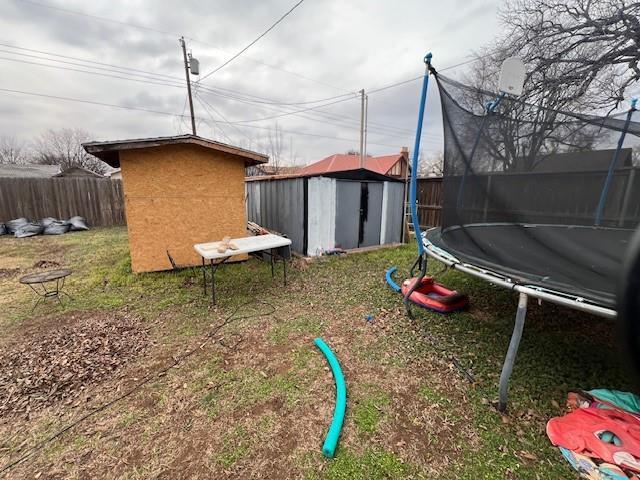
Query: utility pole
x=366, y=122
x=186, y=72
x=362, y=128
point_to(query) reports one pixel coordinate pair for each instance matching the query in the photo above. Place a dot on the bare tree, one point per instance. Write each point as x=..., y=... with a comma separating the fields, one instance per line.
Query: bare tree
x=432, y=166
x=580, y=56
x=64, y=147
x=589, y=49
x=12, y=151
x=275, y=147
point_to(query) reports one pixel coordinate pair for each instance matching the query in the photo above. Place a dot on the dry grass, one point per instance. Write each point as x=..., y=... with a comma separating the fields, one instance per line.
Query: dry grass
x=256, y=399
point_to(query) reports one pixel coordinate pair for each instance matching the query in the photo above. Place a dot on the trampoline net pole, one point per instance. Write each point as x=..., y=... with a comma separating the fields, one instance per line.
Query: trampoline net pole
x=512, y=352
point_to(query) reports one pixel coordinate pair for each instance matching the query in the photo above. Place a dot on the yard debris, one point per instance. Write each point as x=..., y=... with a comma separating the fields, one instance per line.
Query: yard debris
x=22, y=227
x=46, y=264
x=58, y=364
x=13, y=225
x=29, y=230
x=77, y=223
x=8, y=272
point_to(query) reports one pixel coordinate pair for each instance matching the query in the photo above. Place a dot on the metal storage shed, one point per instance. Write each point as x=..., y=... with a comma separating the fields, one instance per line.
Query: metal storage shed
x=351, y=209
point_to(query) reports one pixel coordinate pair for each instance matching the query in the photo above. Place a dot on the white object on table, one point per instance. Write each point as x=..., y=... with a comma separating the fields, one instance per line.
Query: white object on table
x=209, y=251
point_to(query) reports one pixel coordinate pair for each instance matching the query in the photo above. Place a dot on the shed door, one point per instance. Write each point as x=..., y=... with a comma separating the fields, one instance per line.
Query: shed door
x=370, y=213
x=347, y=213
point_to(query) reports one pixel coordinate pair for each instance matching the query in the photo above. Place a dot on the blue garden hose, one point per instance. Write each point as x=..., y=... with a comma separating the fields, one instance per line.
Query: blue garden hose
x=392, y=284
x=331, y=441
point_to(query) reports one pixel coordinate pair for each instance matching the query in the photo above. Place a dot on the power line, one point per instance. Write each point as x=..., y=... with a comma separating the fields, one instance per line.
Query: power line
x=96, y=17
x=224, y=133
x=125, y=68
x=203, y=102
x=65, y=62
x=293, y=113
x=133, y=79
x=91, y=102
x=163, y=77
x=382, y=129
x=375, y=130
x=413, y=79
x=393, y=85
x=209, y=90
x=174, y=35
x=160, y=112
x=254, y=41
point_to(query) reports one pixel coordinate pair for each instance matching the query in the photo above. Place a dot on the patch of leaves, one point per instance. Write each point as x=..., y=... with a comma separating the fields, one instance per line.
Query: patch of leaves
x=59, y=363
x=46, y=264
x=8, y=272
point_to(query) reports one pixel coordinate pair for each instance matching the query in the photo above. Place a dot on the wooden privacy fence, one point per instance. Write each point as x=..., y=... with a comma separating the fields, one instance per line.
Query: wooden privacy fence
x=535, y=197
x=430, y=201
x=99, y=200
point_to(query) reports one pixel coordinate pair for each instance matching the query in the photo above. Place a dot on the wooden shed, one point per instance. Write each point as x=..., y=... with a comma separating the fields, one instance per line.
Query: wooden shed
x=178, y=191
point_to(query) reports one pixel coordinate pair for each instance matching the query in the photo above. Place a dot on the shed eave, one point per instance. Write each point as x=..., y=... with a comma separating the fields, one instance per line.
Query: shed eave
x=109, y=152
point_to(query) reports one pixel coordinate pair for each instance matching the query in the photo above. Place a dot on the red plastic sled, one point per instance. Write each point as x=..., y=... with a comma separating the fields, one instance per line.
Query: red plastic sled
x=435, y=296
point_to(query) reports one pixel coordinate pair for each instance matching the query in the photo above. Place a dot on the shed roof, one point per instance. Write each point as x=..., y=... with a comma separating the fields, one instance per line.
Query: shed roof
x=109, y=152
x=344, y=162
x=360, y=174
x=29, y=171
x=78, y=172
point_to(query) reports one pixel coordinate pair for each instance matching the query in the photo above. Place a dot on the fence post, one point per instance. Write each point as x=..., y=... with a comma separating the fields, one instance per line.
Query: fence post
x=627, y=196
x=486, y=199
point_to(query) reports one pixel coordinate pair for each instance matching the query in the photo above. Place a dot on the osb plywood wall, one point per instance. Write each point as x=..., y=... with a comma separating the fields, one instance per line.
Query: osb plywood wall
x=177, y=196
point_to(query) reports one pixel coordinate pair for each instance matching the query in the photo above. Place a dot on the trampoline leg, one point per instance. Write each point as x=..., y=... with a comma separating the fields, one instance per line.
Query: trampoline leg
x=510, y=359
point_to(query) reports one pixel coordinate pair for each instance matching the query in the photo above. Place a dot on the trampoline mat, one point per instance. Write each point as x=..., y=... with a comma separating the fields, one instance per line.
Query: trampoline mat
x=580, y=261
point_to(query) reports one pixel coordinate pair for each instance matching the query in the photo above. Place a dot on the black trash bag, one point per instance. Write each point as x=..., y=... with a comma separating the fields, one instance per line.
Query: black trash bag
x=29, y=230
x=77, y=223
x=57, y=227
x=3, y=229
x=13, y=225
x=45, y=222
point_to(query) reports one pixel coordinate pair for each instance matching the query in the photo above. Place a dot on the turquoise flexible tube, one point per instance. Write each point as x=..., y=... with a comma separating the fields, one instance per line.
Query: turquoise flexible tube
x=389, y=276
x=331, y=441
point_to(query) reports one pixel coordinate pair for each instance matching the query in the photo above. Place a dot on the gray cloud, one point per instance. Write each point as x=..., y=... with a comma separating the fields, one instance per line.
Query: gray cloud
x=343, y=46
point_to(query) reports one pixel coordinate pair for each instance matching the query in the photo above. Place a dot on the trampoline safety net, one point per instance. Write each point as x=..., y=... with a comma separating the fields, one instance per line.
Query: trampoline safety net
x=545, y=197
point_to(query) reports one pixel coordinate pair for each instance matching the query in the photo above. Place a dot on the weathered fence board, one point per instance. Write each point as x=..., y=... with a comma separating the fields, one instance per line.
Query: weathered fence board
x=430, y=201
x=99, y=200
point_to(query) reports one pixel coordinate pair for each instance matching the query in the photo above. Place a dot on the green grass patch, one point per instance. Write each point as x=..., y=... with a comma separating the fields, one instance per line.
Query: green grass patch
x=241, y=389
x=303, y=325
x=235, y=446
x=373, y=464
x=368, y=412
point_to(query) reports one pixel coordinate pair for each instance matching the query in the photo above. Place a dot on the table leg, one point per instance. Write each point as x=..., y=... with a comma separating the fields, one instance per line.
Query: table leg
x=213, y=284
x=284, y=261
x=204, y=276
x=57, y=291
x=271, y=256
x=40, y=299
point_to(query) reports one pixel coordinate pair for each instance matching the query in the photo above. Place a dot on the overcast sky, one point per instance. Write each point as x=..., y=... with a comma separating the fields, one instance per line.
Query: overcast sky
x=323, y=49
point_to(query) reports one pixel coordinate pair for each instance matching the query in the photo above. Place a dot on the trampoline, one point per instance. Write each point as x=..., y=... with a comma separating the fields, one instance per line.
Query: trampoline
x=575, y=262
x=536, y=199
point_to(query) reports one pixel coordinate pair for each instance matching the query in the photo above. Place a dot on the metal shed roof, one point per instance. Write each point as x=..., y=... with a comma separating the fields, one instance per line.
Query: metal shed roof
x=360, y=174
x=29, y=171
x=108, y=152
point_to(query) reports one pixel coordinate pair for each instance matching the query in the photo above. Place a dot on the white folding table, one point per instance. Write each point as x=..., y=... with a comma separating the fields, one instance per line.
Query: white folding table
x=268, y=244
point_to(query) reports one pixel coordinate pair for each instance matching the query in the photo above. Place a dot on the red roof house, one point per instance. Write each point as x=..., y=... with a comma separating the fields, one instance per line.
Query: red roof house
x=390, y=165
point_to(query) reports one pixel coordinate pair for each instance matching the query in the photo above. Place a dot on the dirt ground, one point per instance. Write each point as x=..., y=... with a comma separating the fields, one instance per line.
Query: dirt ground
x=156, y=383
